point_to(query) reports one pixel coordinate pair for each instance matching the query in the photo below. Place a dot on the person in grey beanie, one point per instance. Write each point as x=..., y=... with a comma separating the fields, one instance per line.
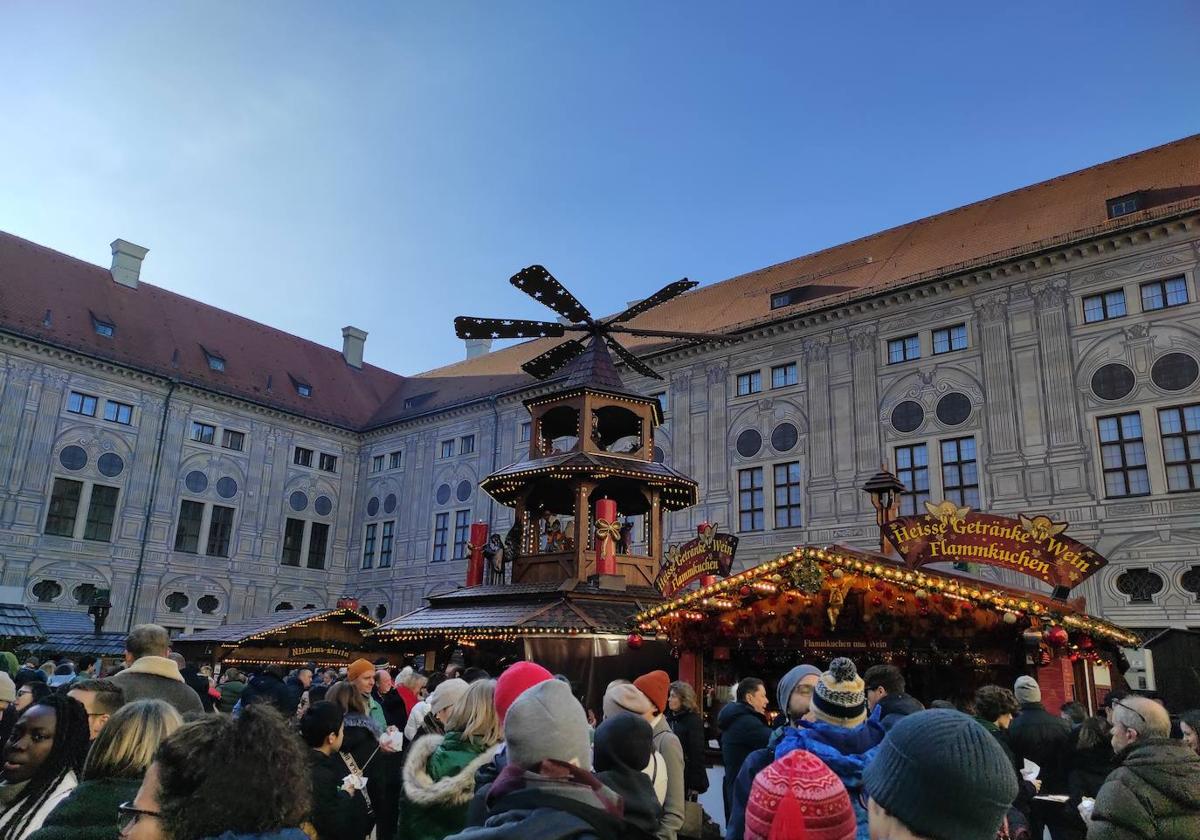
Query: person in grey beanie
x=547, y=791
x=1044, y=739
x=938, y=775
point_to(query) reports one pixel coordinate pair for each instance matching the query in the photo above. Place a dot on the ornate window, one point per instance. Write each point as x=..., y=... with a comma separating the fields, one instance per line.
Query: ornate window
x=462, y=533
x=1104, y=306
x=948, y=339
x=385, y=545
x=369, y=547
x=904, y=349
x=83, y=594
x=1141, y=585
x=751, y=505
x=960, y=472
x=441, y=529
x=912, y=468
x=1191, y=581
x=749, y=383
x=47, y=590
x=208, y=604
x=176, y=602
x=1180, y=432
x=1123, y=455
x=1162, y=294
x=787, y=495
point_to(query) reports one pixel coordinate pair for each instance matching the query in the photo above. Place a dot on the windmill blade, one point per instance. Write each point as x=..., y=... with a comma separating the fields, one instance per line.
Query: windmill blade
x=544, y=366
x=629, y=359
x=540, y=285
x=466, y=326
x=663, y=295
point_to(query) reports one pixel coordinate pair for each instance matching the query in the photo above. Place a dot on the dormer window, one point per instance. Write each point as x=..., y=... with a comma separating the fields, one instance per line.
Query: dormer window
x=302, y=388
x=103, y=327
x=215, y=360
x=418, y=400
x=1123, y=205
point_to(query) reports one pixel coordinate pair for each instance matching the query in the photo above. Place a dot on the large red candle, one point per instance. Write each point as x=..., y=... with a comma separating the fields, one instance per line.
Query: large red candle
x=608, y=531
x=479, y=537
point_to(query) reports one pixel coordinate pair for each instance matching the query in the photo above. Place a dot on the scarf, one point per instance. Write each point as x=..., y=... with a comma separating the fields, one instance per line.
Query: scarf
x=552, y=778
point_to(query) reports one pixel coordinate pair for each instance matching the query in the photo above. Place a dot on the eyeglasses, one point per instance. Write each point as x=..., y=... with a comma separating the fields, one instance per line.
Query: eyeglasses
x=127, y=815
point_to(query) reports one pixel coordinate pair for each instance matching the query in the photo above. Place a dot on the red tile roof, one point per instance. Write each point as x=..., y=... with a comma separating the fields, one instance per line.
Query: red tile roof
x=52, y=297
x=167, y=334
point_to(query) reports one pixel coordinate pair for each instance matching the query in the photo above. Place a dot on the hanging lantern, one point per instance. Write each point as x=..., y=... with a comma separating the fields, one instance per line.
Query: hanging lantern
x=838, y=574
x=1010, y=618
x=634, y=641
x=1056, y=636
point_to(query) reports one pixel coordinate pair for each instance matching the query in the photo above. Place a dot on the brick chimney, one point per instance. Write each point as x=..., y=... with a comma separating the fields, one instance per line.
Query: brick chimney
x=353, y=340
x=127, y=262
x=477, y=347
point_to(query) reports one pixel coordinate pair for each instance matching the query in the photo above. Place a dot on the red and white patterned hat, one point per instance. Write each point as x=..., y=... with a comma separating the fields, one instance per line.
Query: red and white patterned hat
x=799, y=798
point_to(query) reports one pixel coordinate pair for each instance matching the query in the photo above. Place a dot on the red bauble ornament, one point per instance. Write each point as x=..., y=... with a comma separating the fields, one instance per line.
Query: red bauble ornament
x=1086, y=643
x=634, y=641
x=745, y=591
x=877, y=601
x=1056, y=636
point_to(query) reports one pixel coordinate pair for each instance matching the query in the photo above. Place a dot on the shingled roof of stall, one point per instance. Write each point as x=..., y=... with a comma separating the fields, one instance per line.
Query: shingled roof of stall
x=512, y=610
x=55, y=299
x=277, y=622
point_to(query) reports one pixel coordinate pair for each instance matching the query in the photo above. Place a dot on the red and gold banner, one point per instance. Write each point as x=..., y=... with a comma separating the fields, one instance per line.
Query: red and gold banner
x=708, y=555
x=1034, y=546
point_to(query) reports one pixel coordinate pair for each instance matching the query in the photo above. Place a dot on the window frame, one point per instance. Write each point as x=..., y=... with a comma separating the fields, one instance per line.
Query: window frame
x=525, y=431
x=396, y=459
x=76, y=503
x=197, y=433
x=963, y=489
x=1125, y=468
x=312, y=559
x=377, y=463
x=223, y=532
x=327, y=463
x=1161, y=286
x=792, y=504
x=83, y=398
x=747, y=498
x=447, y=450
x=116, y=418
x=227, y=438
x=103, y=328
x=302, y=456
x=286, y=549
x=913, y=469
x=1191, y=450
x=179, y=522
x=903, y=343
x=387, y=536
x=441, y=531
x=96, y=529
x=368, y=558
x=1103, y=299
x=790, y=370
x=466, y=445
x=950, y=334
x=753, y=380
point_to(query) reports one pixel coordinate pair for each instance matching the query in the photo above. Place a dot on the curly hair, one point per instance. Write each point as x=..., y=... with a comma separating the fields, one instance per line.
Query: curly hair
x=247, y=776
x=67, y=755
x=686, y=695
x=992, y=701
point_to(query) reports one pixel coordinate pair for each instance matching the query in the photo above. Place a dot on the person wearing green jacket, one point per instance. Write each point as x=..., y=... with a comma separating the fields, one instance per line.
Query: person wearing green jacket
x=439, y=771
x=112, y=773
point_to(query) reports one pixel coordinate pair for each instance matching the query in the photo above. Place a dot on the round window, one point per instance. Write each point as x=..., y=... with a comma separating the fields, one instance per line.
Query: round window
x=908, y=416
x=298, y=501
x=784, y=438
x=226, y=487
x=373, y=506
x=73, y=457
x=389, y=503
x=954, y=409
x=110, y=464
x=208, y=604
x=463, y=491
x=443, y=494
x=1175, y=371
x=1112, y=382
x=196, y=481
x=749, y=443
x=323, y=505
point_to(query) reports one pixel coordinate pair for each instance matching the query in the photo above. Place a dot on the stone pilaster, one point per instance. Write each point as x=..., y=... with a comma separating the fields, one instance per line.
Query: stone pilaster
x=999, y=409
x=865, y=348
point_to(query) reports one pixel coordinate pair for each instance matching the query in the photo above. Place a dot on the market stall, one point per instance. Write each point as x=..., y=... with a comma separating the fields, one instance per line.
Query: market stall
x=327, y=637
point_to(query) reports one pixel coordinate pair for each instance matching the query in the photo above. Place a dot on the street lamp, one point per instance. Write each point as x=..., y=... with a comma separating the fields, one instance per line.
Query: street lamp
x=884, y=489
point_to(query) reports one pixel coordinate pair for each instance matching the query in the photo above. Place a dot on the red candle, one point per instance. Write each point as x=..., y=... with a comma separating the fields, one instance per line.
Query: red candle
x=608, y=531
x=479, y=537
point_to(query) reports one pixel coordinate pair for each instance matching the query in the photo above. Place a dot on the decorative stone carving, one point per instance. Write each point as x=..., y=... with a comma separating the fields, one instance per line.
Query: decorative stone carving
x=1137, y=331
x=862, y=339
x=815, y=350
x=716, y=373
x=993, y=307
x=1052, y=295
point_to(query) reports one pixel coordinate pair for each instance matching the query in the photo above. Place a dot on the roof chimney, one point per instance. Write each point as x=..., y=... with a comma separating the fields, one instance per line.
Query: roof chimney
x=127, y=262
x=353, y=340
x=477, y=347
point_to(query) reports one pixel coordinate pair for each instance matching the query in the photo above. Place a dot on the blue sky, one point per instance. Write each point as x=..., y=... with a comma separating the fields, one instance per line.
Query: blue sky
x=391, y=165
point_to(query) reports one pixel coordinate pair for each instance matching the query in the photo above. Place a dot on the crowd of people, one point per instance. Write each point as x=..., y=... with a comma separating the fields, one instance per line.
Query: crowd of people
x=164, y=750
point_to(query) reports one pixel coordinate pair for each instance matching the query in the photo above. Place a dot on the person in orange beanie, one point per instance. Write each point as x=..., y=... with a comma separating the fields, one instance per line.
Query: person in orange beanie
x=656, y=685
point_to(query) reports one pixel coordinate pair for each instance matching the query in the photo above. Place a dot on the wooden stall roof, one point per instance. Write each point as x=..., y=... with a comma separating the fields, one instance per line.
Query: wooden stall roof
x=725, y=594
x=17, y=622
x=508, y=611
x=73, y=631
x=506, y=485
x=250, y=629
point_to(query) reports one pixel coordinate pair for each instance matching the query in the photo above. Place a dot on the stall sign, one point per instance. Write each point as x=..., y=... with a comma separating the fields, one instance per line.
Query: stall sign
x=859, y=645
x=308, y=651
x=709, y=554
x=1033, y=546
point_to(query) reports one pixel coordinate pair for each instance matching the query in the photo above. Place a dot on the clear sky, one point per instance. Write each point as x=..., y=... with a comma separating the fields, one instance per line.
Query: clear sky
x=391, y=165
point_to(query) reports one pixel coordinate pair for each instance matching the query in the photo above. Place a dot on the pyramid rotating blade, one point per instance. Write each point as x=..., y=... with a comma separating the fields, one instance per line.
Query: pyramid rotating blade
x=545, y=365
x=666, y=293
x=629, y=359
x=466, y=326
x=540, y=285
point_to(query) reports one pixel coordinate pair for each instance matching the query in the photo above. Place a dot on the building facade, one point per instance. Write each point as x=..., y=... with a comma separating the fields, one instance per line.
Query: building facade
x=1035, y=352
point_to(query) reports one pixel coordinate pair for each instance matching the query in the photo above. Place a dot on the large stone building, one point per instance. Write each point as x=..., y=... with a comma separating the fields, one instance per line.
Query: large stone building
x=1036, y=351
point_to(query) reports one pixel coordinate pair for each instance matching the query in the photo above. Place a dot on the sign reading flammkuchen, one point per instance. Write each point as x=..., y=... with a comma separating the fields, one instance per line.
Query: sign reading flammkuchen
x=709, y=554
x=1033, y=546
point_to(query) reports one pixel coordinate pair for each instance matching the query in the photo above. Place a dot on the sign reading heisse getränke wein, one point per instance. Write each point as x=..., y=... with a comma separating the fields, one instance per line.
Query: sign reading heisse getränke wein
x=1031, y=545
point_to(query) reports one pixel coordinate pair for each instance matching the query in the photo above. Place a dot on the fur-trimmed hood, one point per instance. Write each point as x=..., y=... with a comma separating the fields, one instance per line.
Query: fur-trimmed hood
x=422, y=789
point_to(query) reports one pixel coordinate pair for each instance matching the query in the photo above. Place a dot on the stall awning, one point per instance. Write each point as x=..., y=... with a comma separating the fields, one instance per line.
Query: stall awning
x=73, y=631
x=882, y=588
x=254, y=629
x=17, y=622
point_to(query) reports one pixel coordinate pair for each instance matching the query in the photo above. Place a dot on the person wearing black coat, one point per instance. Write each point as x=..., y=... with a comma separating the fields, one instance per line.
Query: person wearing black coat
x=1044, y=739
x=268, y=687
x=199, y=684
x=688, y=727
x=743, y=730
x=624, y=745
x=885, y=688
x=339, y=810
